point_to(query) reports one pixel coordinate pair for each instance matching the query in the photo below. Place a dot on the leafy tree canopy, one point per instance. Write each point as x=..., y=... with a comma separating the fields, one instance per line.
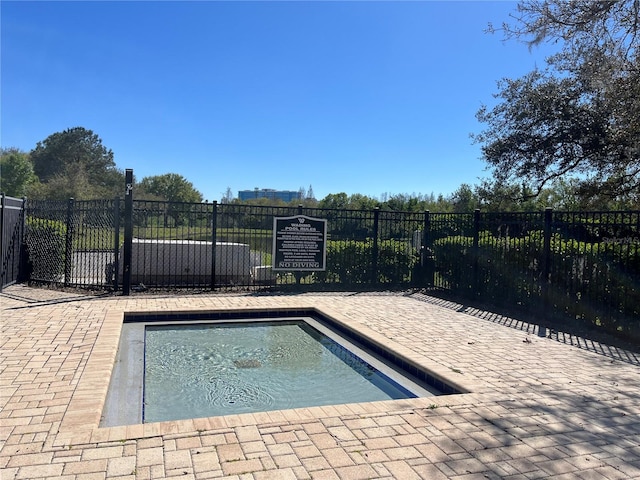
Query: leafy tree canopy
x=74, y=163
x=171, y=187
x=16, y=173
x=579, y=118
x=341, y=200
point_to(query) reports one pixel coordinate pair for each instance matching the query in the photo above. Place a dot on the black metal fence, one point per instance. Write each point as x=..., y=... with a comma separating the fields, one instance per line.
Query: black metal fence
x=583, y=266
x=210, y=245
x=73, y=243
x=11, y=236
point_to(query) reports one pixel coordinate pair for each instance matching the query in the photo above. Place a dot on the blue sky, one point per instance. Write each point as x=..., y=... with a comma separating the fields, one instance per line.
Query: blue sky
x=356, y=97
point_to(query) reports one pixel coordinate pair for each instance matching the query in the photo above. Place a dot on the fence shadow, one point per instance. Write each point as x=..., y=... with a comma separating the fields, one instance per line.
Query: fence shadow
x=30, y=297
x=586, y=339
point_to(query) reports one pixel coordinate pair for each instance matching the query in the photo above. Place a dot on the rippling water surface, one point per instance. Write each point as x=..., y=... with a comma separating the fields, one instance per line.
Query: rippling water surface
x=207, y=370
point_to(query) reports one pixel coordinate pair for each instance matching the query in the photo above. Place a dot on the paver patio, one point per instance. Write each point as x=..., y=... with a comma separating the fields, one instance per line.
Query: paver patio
x=536, y=408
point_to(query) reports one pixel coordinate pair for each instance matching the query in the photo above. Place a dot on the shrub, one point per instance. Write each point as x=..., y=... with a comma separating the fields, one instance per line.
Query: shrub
x=597, y=283
x=351, y=262
x=45, y=244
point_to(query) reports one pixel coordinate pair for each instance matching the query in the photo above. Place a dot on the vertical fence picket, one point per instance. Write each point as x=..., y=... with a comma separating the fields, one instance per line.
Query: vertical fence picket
x=546, y=260
x=476, y=252
x=68, y=253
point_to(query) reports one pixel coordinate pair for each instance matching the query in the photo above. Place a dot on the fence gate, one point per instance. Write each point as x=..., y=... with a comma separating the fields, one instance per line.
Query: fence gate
x=12, y=227
x=74, y=243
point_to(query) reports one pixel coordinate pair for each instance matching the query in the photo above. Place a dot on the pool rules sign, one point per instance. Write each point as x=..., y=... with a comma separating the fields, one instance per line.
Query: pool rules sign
x=299, y=244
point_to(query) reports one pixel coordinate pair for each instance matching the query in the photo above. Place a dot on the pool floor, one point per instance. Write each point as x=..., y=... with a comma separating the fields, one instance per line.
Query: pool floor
x=209, y=370
x=170, y=371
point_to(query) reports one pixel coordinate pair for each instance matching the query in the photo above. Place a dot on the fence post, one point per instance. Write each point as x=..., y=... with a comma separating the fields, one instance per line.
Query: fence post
x=546, y=268
x=116, y=242
x=374, y=252
x=476, y=252
x=128, y=232
x=214, y=240
x=68, y=249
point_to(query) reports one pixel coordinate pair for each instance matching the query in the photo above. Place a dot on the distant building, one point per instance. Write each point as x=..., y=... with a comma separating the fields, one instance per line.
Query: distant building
x=284, y=195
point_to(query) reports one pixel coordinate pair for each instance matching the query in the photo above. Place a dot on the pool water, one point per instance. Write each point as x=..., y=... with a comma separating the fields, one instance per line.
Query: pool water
x=204, y=370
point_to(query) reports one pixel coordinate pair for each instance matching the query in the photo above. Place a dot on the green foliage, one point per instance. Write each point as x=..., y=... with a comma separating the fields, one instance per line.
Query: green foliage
x=342, y=201
x=75, y=164
x=347, y=262
x=351, y=262
x=603, y=274
x=45, y=241
x=335, y=200
x=396, y=260
x=496, y=196
x=464, y=199
x=171, y=187
x=453, y=260
x=16, y=173
x=577, y=119
x=593, y=282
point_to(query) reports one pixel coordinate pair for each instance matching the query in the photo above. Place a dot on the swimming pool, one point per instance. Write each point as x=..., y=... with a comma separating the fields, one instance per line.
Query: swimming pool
x=171, y=369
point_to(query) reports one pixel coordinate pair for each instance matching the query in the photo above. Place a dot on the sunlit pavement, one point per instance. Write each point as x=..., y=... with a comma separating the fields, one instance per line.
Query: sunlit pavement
x=536, y=408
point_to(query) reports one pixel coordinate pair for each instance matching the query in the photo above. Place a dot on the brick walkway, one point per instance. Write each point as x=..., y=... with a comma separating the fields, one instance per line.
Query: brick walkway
x=537, y=407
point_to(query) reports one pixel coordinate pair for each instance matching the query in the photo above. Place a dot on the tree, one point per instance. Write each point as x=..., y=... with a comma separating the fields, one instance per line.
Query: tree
x=403, y=202
x=310, y=195
x=358, y=201
x=171, y=187
x=464, y=199
x=611, y=26
x=16, y=172
x=335, y=201
x=501, y=197
x=579, y=118
x=74, y=163
x=341, y=201
x=228, y=196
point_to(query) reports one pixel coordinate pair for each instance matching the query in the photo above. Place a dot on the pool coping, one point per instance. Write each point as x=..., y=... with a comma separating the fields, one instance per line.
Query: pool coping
x=81, y=420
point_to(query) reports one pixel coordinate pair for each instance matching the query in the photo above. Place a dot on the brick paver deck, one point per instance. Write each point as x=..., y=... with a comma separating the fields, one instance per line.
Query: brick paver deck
x=537, y=407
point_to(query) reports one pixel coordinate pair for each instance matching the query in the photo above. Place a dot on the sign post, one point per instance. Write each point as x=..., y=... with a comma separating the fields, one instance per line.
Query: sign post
x=299, y=244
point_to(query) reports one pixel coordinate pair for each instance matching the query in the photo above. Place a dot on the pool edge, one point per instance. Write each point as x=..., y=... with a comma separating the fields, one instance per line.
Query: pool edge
x=80, y=423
